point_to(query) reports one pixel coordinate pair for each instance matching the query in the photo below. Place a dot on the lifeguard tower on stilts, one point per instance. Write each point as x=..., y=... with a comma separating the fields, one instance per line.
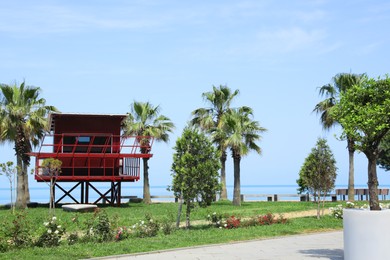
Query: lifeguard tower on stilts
x=92, y=150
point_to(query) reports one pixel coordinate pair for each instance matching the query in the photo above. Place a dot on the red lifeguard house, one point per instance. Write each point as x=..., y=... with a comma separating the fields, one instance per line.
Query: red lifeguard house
x=92, y=150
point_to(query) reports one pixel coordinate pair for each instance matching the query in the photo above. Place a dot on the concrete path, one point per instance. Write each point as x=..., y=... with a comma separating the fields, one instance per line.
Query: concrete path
x=327, y=245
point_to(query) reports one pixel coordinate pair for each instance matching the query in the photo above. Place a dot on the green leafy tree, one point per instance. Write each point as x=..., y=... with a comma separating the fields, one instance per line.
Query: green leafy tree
x=212, y=117
x=195, y=170
x=364, y=113
x=318, y=173
x=145, y=120
x=52, y=167
x=384, y=153
x=23, y=121
x=239, y=133
x=341, y=83
x=10, y=171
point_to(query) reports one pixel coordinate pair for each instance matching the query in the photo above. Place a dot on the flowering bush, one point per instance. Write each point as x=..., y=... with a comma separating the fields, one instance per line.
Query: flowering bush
x=261, y=220
x=51, y=235
x=215, y=220
x=232, y=222
x=121, y=233
x=267, y=219
x=99, y=228
x=337, y=212
x=145, y=228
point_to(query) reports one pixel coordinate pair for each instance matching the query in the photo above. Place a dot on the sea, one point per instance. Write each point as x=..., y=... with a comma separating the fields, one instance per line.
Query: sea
x=42, y=194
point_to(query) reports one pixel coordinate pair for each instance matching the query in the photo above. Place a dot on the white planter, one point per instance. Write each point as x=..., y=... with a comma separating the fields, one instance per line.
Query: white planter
x=366, y=234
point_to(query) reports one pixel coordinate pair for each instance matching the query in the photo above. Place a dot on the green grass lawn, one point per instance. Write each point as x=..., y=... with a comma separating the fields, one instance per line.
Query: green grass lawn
x=199, y=234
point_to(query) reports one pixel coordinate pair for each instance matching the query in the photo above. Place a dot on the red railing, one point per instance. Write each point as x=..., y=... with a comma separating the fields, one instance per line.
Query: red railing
x=94, y=156
x=87, y=143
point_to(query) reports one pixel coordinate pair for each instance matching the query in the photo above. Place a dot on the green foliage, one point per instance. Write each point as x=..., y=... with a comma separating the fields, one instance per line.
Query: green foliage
x=52, y=166
x=122, y=233
x=195, y=168
x=51, y=235
x=99, y=228
x=10, y=171
x=23, y=122
x=215, y=219
x=78, y=248
x=167, y=225
x=145, y=228
x=318, y=173
x=364, y=113
x=18, y=232
x=384, y=154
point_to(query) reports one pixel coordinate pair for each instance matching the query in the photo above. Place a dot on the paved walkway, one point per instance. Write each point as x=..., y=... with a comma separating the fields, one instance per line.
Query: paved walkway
x=327, y=245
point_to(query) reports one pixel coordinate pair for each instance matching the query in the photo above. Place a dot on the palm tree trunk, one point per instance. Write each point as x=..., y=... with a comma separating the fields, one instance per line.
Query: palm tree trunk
x=237, y=185
x=223, y=176
x=373, y=181
x=146, y=195
x=26, y=186
x=351, y=179
x=20, y=191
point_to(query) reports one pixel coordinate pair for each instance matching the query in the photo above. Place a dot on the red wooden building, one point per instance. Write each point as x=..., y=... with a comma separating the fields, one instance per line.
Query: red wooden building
x=92, y=150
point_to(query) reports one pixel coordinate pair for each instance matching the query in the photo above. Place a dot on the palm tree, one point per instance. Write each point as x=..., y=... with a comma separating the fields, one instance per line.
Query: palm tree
x=212, y=117
x=341, y=83
x=240, y=134
x=145, y=120
x=23, y=117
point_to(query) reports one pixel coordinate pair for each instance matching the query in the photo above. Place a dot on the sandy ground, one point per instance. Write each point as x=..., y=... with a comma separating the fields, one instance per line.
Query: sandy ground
x=288, y=215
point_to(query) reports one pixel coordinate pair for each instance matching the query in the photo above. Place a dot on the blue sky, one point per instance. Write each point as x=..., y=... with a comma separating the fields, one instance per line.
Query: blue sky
x=100, y=56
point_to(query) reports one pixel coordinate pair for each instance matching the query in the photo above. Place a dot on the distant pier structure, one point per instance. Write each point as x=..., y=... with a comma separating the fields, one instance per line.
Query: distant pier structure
x=92, y=150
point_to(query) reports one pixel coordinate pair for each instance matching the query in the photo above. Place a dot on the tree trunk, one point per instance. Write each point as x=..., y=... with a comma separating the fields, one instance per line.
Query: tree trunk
x=188, y=212
x=237, y=185
x=20, y=189
x=146, y=195
x=51, y=202
x=26, y=186
x=318, y=208
x=373, y=181
x=179, y=211
x=223, y=176
x=351, y=179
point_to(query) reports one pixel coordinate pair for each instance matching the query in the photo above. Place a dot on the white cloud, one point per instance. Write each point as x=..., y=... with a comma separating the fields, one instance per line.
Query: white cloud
x=41, y=19
x=289, y=40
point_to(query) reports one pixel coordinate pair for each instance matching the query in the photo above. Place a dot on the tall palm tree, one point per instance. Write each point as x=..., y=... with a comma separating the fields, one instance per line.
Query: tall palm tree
x=145, y=120
x=212, y=117
x=341, y=83
x=240, y=133
x=23, y=121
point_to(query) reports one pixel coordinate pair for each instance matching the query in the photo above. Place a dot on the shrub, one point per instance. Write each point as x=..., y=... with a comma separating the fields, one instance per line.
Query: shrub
x=167, y=226
x=51, y=235
x=215, y=219
x=232, y=222
x=121, y=233
x=145, y=228
x=18, y=231
x=337, y=212
x=98, y=228
x=267, y=219
x=4, y=246
x=102, y=227
x=73, y=238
